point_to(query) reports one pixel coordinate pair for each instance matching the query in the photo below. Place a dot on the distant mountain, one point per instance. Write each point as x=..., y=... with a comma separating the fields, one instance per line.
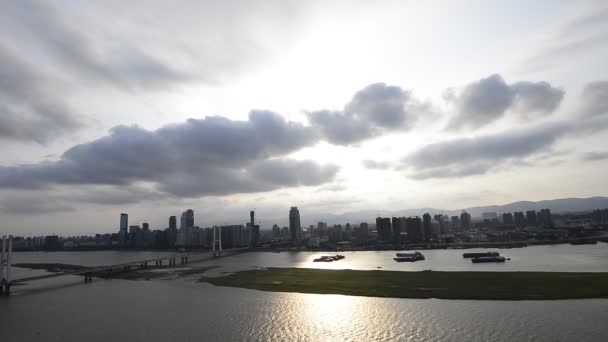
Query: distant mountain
x=556, y=206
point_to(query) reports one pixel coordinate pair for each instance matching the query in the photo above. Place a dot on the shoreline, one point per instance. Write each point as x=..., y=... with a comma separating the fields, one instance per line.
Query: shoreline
x=471, y=285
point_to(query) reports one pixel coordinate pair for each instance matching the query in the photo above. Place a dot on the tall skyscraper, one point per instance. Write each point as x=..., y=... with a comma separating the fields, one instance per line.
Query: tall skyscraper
x=507, y=218
x=383, y=227
x=465, y=220
x=122, y=233
x=427, y=226
x=294, y=224
x=531, y=217
x=184, y=237
x=398, y=224
x=414, y=229
x=544, y=217
x=172, y=232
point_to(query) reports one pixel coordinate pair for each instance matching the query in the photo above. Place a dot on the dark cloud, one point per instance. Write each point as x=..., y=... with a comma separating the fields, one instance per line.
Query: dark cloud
x=31, y=204
x=376, y=165
x=372, y=111
x=341, y=129
x=473, y=156
x=487, y=100
x=595, y=99
x=29, y=109
x=211, y=156
x=51, y=31
x=594, y=156
x=536, y=98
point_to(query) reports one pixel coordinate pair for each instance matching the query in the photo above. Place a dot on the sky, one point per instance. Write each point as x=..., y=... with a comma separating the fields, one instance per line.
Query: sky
x=154, y=107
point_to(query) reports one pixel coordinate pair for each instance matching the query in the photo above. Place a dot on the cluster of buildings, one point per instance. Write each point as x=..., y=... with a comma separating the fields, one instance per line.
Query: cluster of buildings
x=187, y=235
x=527, y=225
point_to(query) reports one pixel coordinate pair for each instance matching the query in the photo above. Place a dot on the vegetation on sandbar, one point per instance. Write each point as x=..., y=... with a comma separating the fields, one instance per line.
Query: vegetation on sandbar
x=423, y=284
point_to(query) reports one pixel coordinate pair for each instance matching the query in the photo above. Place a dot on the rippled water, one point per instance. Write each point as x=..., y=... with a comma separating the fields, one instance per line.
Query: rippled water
x=65, y=309
x=187, y=311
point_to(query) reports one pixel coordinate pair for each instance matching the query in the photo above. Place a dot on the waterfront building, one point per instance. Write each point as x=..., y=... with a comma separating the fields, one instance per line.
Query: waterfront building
x=294, y=225
x=383, y=227
x=507, y=218
x=362, y=233
x=531, y=218
x=427, y=226
x=465, y=220
x=415, y=233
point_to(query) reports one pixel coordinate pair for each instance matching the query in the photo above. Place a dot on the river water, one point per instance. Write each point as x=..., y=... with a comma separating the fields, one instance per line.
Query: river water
x=65, y=309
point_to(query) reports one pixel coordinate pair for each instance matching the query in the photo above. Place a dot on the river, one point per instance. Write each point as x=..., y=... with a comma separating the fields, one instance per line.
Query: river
x=66, y=309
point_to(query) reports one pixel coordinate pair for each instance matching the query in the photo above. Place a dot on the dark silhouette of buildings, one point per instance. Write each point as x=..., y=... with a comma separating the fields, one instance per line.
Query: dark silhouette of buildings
x=294, y=225
x=414, y=229
x=465, y=220
x=398, y=226
x=507, y=218
x=427, y=224
x=531, y=217
x=383, y=227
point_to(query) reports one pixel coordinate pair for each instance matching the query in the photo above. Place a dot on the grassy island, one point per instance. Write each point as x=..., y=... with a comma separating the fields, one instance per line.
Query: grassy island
x=424, y=284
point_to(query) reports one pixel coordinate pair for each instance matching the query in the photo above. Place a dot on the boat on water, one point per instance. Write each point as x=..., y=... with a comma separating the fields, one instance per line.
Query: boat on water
x=588, y=242
x=489, y=259
x=480, y=255
x=409, y=257
x=329, y=258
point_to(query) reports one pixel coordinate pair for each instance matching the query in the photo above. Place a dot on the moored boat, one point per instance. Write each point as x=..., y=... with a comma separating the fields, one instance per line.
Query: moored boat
x=489, y=259
x=480, y=254
x=401, y=257
x=329, y=258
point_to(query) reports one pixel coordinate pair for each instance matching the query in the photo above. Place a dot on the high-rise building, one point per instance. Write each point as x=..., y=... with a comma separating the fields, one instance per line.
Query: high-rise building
x=519, y=219
x=531, y=217
x=414, y=229
x=184, y=236
x=122, y=233
x=427, y=226
x=507, y=218
x=276, y=232
x=363, y=231
x=171, y=232
x=455, y=223
x=465, y=220
x=398, y=225
x=544, y=218
x=383, y=227
x=294, y=225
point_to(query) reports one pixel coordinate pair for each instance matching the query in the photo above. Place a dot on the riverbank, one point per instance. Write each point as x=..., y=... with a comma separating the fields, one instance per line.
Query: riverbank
x=424, y=284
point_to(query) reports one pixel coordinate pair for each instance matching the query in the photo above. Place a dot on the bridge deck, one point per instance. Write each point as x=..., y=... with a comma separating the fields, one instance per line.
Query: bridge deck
x=111, y=267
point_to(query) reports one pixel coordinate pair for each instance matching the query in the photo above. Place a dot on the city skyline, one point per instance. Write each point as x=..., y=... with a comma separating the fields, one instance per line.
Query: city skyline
x=307, y=104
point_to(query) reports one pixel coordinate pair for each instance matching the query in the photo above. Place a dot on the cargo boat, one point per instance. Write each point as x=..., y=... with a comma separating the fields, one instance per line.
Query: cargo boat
x=329, y=258
x=410, y=257
x=489, y=259
x=480, y=254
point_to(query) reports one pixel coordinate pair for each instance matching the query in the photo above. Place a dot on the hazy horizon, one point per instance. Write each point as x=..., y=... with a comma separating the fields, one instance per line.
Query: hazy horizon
x=225, y=107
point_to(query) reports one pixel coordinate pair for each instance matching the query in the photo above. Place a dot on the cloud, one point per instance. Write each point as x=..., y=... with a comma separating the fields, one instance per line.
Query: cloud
x=595, y=156
x=474, y=156
x=488, y=99
x=210, y=156
x=583, y=36
x=594, y=99
x=31, y=204
x=372, y=111
x=29, y=107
